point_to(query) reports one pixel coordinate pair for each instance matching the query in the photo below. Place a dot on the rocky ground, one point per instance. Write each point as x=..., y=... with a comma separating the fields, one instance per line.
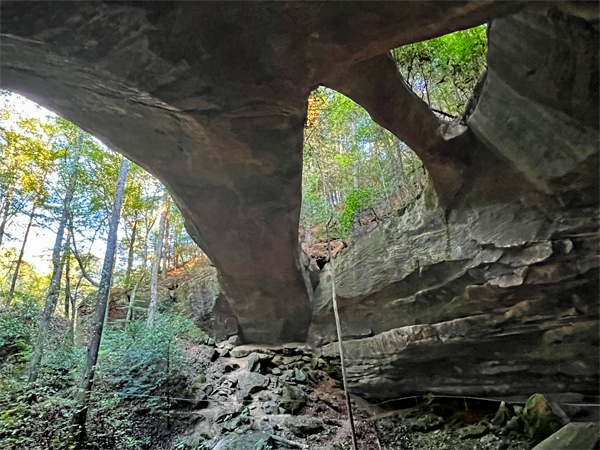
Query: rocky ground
x=285, y=397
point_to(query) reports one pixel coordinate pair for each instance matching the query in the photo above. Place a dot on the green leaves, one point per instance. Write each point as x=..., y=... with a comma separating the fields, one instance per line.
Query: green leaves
x=357, y=198
x=346, y=152
x=132, y=374
x=444, y=71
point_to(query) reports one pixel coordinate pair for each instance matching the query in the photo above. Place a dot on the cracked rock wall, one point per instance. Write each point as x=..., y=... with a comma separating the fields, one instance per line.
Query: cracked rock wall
x=497, y=294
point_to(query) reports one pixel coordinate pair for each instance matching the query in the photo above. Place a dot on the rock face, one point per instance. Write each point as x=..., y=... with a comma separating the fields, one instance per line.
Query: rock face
x=211, y=98
x=192, y=291
x=488, y=285
x=573, y=436
x=495, y=294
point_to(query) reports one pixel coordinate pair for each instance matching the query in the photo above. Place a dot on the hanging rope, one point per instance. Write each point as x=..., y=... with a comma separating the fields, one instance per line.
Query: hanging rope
x=338, y=327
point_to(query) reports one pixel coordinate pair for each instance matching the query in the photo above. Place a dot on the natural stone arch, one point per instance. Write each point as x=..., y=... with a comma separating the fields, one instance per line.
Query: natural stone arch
x=211, y=99
x=468, y=298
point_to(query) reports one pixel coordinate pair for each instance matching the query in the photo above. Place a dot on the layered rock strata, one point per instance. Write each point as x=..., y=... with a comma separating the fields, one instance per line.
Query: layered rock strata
x=495, y=294
x=211, y=98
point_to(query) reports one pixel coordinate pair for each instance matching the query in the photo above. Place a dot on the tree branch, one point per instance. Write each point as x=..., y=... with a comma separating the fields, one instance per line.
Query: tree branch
x=443, y=113
x=78, y=258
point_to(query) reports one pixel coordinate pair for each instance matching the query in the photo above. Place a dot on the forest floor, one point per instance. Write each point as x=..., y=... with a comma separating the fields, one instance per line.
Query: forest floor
x=223, y=396
x=284, y=397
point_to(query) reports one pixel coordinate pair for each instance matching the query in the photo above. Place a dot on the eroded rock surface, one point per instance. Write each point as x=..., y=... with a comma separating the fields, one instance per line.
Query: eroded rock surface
x=573, y=436
x=496, y=294
x=487, y=285
x=211, y=98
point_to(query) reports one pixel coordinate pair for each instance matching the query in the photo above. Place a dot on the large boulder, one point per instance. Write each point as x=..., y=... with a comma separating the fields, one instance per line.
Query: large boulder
x=292, y=398
x=573, y=436
x=539, y=418
x=251, y=382
x=248, y=441
x=303, y=426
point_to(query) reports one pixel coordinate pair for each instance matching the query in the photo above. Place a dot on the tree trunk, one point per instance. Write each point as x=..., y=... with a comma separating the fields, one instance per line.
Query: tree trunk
x=10, y=189
x=176, y=247
x=326, y=190
x=402, y=183
x=166, y=248
x=401, y=173
x=5, y=211
x=74, y=297
x=131, y=306
x=385, y=191
x=416, y=167
x=67, y=262
x=152, y=309
x=130, y=255
x=54, y=289
x=84, y=272
x=355, y=175
x=20, y=259
x=87, y=379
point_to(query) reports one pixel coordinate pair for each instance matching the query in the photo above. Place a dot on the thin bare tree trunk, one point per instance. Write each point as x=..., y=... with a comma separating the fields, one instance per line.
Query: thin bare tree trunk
x=338, y=328
x=21, y=253
x=130, y=255
x=166, y=247
x=402, y=182
x=307, y=232
x=385, y=191
x=326, y=190
x=176, y=247
x=152, y=309
x=416, y=167
x=54, y=289
x=10, y=189
x=131, y=306
x=84, y=272
x=71, y=336
x=87, y=378
x=355, y=175
x=67, y=262
x=401, y=173
x=5, y=211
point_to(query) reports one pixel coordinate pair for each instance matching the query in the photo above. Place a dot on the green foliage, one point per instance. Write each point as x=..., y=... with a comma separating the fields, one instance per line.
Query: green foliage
x=35, y=418
x=132, y=378
x=31, y=286
x=264, y=444
x=314, y=207
x=17, y=328
x=185, y=443
x=133, y=362
x=346, y=150
x=197, y=335
x=357, y=198
x=444, y=71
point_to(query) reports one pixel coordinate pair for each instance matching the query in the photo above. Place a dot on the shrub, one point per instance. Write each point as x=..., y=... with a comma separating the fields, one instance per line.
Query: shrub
x=357, y=198
x=18, y=325
x=131, y=377
x=134, y=362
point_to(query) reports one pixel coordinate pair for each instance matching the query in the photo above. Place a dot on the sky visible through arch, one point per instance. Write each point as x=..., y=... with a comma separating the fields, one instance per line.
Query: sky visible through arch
x=41, y=238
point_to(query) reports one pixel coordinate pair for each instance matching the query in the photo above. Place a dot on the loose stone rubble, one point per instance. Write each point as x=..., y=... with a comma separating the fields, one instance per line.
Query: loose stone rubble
x=288, y=397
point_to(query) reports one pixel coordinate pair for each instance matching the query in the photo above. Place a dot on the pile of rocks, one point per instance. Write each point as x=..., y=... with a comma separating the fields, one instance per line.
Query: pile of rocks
x=282, y=397
x=256, y=392
x=433, y=425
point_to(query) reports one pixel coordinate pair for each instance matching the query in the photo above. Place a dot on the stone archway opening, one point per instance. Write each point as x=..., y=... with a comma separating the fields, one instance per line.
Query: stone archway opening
x=350, y=158
x=219, y=118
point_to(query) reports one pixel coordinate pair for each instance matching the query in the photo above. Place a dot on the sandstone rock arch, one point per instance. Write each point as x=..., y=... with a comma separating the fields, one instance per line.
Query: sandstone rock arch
x=210, y=97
